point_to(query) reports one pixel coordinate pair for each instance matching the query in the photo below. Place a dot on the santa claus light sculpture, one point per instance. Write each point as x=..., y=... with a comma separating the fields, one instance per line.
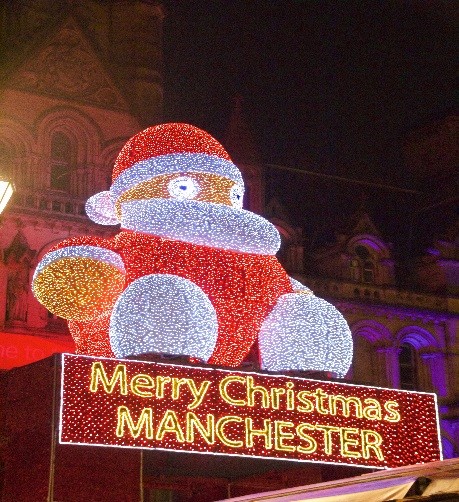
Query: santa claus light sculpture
x=190, y=273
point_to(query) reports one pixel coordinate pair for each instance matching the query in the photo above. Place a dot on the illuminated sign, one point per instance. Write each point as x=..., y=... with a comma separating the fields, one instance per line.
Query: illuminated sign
x=125, y=403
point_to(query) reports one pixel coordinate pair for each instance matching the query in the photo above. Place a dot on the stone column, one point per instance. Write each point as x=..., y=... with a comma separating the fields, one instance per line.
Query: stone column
x=433, y=373
x=392, y=373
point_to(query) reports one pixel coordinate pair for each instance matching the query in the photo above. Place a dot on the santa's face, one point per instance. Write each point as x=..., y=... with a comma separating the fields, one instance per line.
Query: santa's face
x=204, y=187
x=202, y=208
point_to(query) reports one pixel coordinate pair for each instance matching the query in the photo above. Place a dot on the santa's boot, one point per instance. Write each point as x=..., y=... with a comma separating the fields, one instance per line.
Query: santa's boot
x=305, y=333
x=163, y=314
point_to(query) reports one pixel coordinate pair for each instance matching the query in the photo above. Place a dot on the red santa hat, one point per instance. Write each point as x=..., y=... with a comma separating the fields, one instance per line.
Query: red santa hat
x=158, y=150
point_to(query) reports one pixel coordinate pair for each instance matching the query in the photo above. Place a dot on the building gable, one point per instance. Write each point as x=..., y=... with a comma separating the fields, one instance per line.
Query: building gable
x=66, y=66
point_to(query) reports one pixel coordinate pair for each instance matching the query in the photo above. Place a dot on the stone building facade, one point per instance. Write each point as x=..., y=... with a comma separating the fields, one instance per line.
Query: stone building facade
x=403, y=338
x=404, y=321
x=76, y=84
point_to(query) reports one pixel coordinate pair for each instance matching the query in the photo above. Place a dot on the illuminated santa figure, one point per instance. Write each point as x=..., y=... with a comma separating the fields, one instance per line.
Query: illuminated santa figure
x=191, y=272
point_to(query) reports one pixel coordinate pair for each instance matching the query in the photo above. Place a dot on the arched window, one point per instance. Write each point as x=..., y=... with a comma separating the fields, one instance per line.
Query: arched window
x=420, y=362
x=362, y=267
x=62, y=158
x=368, y=272
x=362, y=252
x=369, y=361
x=355, y=270
x=407, y=361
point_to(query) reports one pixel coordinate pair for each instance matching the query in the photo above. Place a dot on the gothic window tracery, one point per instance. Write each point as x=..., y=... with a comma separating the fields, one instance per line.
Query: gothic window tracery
x=407, y=361
x=62, y=159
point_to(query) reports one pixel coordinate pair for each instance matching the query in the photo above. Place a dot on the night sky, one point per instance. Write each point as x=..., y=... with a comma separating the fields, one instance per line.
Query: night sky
x=328, y=86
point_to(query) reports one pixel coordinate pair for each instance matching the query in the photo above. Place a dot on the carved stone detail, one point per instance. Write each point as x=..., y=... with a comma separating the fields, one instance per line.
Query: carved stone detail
x=66, y=67
x=18, y=258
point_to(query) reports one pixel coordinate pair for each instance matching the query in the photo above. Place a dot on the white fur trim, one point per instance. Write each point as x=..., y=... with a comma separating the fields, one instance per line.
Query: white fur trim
x=214, y=225
x=174, y=163
x=96, y=253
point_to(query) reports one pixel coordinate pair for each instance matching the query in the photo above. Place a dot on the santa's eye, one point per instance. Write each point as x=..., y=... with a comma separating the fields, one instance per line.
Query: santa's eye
x=236, y=195
x=183, y=187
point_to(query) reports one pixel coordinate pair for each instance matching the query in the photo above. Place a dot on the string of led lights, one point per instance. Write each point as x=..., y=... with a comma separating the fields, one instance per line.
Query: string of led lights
x=304, y=331
x=138, y=324
x=191, y=273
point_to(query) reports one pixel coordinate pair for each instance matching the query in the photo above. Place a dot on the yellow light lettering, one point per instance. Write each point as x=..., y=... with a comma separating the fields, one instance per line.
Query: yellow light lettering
x=280, y=435
x=170, y=424
x=393, y=414
x=372, y=409
x=303, y=397
x=198, y=393
x=311, y=442
x=346, y=405
x=160, y=383
x=347, y=442
x=144, y=381
x=290, y=396
x=328, y=431
x=224, y=393
x=250, y=432
x=320, y=397
x=252, y=389
x=193, y=422
x=275, y=393
x=145, y=421
x=176, y=384
x=371, y=440
x=98, y=374
x=220, y=431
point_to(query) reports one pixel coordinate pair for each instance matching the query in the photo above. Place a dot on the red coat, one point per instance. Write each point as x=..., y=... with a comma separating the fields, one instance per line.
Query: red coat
x=242, y=288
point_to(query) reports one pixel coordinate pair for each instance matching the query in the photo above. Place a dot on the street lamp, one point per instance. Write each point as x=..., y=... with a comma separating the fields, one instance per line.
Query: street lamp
x=6, y=191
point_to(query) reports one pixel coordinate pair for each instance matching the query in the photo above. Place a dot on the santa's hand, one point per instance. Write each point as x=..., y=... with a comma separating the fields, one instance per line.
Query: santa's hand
x=79, y=282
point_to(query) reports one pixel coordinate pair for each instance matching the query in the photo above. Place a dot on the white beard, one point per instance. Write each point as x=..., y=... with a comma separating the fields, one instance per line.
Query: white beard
x=215, y=225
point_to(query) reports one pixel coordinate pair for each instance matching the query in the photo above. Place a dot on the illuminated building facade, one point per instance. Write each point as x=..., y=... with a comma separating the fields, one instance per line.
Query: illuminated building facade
x=61, y=128
x=66, y=111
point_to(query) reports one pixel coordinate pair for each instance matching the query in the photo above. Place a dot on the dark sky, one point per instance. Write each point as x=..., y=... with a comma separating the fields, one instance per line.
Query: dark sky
x=329, y=86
